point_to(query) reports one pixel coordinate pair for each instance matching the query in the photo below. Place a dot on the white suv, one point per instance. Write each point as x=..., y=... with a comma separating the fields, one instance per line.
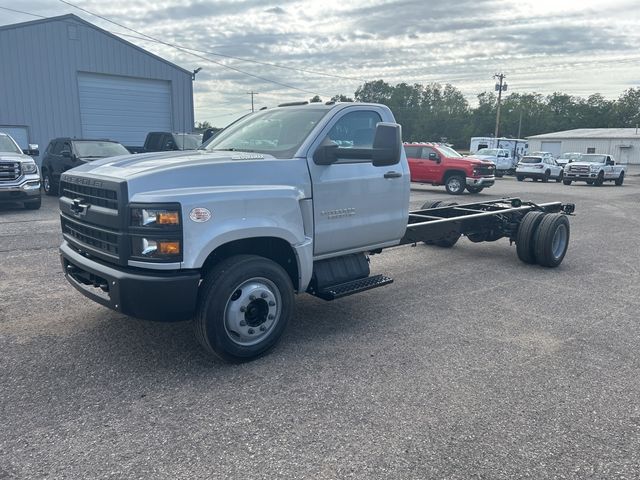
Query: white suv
x=542, y=168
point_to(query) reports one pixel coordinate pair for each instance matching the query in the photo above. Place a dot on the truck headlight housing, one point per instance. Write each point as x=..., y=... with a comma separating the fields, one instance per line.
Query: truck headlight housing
x=29, y=167
x=595, y=168
x=156, y=232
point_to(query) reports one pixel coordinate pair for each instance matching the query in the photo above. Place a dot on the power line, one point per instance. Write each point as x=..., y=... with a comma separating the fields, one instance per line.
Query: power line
x=191, y=53
x=20, y=11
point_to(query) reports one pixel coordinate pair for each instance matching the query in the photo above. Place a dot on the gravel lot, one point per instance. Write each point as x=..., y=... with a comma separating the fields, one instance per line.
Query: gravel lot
x=471, y=365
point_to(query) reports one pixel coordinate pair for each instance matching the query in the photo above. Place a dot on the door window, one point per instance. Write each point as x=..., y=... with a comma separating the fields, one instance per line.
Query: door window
x=57, y=148
x=355, y=129
x=412, y=152
x=426, y=151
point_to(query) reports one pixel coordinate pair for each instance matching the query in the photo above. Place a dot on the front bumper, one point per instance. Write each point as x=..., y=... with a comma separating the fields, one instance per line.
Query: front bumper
x=481, y=181
x=157, y=295
x=580, y=176
x=26, y=187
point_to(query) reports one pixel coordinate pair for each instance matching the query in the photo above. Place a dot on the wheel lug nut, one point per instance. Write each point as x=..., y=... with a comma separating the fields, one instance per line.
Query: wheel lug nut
x=271, y=317
x=251, y=331
x=264, y=295
x=252, y=297
x=243, y=309
x=262, y=328
x=272, y=303
x=243, y=323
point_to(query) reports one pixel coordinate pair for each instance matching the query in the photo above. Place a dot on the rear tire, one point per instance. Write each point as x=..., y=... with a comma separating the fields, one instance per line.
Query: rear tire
x=526, y=236
x=520, y=178
x=244, y=305
x=567, y=182
x=475, y=189
x=455, y=184
x=620, y=179
x=560, y=177
x=433, y=204
x=552, y=240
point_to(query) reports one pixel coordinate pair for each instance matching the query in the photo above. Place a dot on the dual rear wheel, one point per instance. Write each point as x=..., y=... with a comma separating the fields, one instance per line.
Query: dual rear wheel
x=543, y=238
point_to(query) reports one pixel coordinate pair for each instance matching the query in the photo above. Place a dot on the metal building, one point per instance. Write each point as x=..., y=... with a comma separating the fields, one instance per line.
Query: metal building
x=63, y=76
x=622, y=143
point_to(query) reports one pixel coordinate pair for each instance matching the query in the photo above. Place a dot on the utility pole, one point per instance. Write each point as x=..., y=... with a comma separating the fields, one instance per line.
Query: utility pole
x=252, y=93
x=500, y=87
x=520, y=123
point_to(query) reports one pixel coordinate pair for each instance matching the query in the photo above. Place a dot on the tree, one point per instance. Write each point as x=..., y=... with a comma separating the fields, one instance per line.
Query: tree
x=341, y=98
x=315, y=99
x=203, y=125
x=627, y=108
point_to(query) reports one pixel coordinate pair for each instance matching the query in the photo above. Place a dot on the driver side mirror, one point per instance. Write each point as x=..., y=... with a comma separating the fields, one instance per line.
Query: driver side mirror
x=32, y=150
x=434, y=156
x=326, y=154
x=387, y=144
x=610, y=162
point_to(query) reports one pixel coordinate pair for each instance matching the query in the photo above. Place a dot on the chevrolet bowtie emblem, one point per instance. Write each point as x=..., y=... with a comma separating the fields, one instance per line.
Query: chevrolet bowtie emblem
x=78, y=208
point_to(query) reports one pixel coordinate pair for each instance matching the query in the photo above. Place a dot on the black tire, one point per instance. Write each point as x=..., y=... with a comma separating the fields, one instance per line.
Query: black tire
x=499, y=174
x=48, y=186
x=452, y=237
x=431, y=204
x=620, y=179
x=567, y=182
x=455, y=184
x=545, y=177
x=560, y=177
x=552, y=240
x=475, y=189
x=33, y=204
x=599, y=180
x=589, y=182
x=227, y=330
x=526, y=236
x=520, y=178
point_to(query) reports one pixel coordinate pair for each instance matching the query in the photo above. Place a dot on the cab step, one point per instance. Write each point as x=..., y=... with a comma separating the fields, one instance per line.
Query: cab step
x=355, y=286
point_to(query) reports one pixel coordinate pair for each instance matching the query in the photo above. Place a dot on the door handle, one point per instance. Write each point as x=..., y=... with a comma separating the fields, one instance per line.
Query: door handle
x=392, y=175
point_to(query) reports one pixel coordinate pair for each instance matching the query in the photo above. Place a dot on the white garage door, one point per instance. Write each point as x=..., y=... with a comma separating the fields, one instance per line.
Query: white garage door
x=553, y=147
x=19, y=134
x=123, y=108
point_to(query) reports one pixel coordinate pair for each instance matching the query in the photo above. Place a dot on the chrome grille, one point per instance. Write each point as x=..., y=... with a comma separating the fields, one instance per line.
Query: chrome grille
x=9, y=171
x=98, y=238
x=579, y=168
x=101, y=197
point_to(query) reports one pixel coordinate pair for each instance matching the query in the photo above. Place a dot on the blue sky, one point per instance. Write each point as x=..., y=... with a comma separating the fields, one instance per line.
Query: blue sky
x=544, y=46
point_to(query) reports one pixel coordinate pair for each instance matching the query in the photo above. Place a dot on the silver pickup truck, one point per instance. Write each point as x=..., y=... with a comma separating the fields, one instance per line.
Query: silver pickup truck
x=288, y=200
x=19, y=175
x=595, y=169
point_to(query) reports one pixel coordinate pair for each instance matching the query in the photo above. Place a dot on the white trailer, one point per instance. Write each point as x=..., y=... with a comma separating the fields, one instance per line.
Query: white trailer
x=517, y=146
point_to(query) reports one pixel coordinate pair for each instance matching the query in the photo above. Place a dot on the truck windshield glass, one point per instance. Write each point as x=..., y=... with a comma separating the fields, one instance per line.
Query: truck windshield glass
x=449, y=152
x=189, y=141
x=531, y=160
x=7, y=145
x=488, y=151
x=277, y=132
x=99, y=149
x=593, y=158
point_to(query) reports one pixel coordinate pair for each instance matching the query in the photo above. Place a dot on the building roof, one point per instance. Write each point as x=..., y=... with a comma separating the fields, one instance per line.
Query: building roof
x=605, y=133
x=72, y=17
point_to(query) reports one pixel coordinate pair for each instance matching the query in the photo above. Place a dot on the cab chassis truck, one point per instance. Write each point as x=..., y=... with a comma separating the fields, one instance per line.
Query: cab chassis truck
x=289, y=200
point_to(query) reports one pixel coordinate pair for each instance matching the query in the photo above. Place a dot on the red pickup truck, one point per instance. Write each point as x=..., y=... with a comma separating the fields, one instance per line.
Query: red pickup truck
x=441, y=165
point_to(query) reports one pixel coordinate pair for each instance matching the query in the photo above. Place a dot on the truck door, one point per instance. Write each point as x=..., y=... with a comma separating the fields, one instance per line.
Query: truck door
x=431, y=166
x=357, y=205
x=609, y=168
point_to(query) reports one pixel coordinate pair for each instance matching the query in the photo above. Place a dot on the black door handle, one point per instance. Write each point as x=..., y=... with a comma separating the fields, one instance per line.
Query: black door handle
x=392, y=175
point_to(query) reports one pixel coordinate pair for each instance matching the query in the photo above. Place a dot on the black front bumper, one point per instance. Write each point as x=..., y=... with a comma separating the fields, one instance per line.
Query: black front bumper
x=149, y=295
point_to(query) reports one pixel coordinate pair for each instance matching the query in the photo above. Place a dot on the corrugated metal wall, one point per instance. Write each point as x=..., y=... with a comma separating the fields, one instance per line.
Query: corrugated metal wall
x=39, y=65
x=626, y=151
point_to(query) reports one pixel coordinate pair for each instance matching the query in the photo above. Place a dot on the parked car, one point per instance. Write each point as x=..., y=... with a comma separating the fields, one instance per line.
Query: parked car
x=19, y=175
x=546, y=155
x=501, y=157
x=539, y=168
x=442, y=165
x=595, y=169
x=568, y=157
x=167, y=141
x=65, y=153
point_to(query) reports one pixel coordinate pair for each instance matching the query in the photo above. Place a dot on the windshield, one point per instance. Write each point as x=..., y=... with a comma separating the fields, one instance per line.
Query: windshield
x=570, y=156
x=276, y=132
x=539, y=154
x=188, y=141
x=531, y=160
x=593, y=158
x=487, y=151
x=449, y=152
x=95, y=149
x=8, y=145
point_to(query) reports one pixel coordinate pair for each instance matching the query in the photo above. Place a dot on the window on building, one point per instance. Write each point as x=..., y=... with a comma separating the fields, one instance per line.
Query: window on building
x=591, y=149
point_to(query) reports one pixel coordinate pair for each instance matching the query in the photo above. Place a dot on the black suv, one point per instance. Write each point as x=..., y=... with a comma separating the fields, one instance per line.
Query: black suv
x=65, y=153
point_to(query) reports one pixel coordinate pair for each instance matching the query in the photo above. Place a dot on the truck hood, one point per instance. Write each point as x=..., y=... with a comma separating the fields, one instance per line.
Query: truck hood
x=14, y=157
x=484, y=157
x=479, y=160
x=165, y=172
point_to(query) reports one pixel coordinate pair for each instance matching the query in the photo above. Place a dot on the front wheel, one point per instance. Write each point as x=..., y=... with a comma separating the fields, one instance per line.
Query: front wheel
x=600, y=180
x=475, y=189
x=520, y=178
x=566, y=182
x=244, y=305
x=455, y=184
x=620, y=179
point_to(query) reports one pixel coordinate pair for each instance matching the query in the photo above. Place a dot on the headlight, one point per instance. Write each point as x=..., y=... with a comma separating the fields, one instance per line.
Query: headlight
x=155, y=217
x=29, y=167
x=159, y=249
x=595, y=168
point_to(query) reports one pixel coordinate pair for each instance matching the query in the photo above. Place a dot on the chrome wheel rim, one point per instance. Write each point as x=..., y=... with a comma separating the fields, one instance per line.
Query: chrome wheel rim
x=559, y=241
x=46, y=183
x=252, y=311
x=454, y=185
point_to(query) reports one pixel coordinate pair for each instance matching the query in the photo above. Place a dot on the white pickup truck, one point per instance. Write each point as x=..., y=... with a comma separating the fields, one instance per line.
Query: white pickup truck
x=595, y=169
x=287, y=200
